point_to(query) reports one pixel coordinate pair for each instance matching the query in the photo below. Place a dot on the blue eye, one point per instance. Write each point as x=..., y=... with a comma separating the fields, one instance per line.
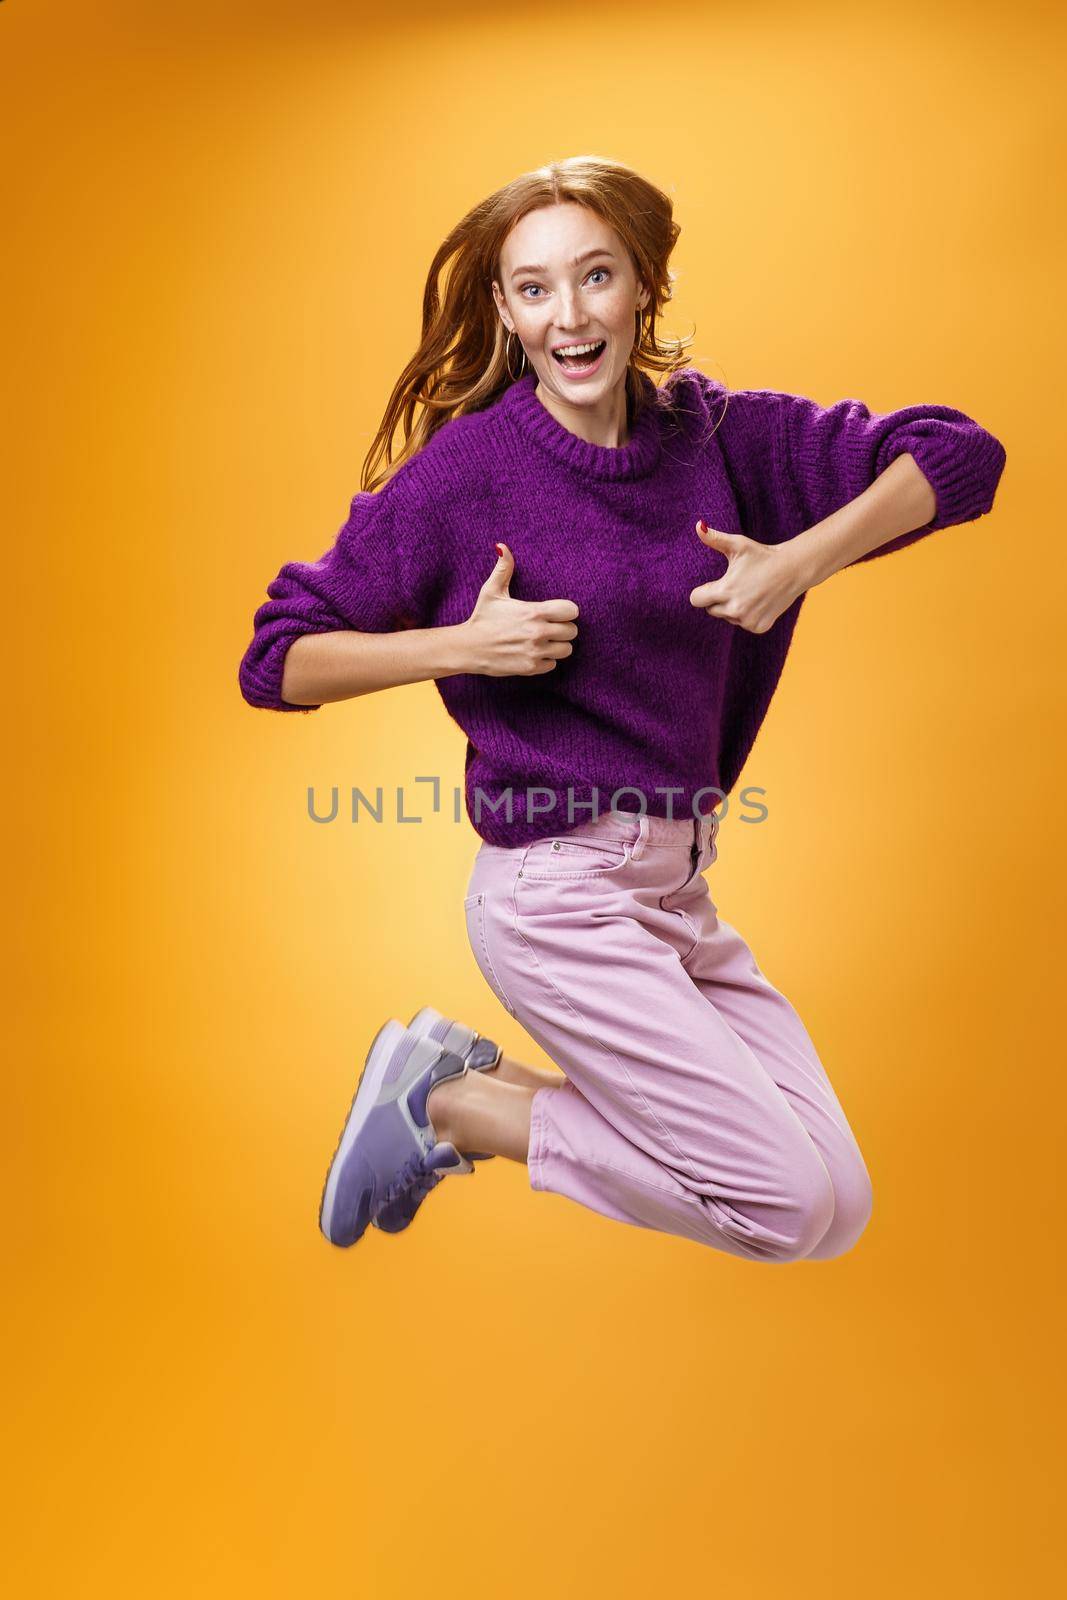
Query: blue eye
x=522, y=291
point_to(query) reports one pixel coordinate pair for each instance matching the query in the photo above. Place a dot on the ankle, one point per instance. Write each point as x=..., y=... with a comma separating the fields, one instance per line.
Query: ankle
x=443, y=1106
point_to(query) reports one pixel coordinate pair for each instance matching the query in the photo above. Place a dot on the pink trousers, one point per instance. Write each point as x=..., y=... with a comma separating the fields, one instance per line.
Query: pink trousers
x=693, y=1100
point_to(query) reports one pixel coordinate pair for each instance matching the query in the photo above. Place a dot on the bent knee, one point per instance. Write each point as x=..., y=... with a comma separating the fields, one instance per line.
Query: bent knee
x=852, y=1212
x=809, y=1211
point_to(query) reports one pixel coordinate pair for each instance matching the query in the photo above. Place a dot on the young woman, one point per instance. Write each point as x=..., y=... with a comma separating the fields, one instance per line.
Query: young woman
x=611, y=668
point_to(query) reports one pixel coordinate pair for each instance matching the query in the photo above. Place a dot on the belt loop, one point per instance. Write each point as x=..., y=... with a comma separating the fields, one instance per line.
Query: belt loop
x=711, y=827
x=640, y=837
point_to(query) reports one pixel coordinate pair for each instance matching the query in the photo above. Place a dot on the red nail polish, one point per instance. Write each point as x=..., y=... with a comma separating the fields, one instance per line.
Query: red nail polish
x=499, y=548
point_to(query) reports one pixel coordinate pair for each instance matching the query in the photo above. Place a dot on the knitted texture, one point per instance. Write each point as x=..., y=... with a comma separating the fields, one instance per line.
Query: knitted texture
x=657, y=698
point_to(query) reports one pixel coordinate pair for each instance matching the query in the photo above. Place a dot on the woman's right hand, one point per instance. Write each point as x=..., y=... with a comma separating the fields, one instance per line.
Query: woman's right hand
x=506, y=638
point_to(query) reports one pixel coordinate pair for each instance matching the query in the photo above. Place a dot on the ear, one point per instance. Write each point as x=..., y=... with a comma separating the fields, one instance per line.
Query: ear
x=501, y=306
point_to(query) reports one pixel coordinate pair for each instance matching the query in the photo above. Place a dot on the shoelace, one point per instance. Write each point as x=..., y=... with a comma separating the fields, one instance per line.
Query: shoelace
x=413, y=1180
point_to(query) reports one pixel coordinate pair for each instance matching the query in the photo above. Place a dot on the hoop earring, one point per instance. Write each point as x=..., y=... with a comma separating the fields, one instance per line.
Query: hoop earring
x=514, y=376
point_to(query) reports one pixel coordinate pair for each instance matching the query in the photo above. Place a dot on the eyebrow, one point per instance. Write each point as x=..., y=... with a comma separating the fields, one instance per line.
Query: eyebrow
x=577, y=261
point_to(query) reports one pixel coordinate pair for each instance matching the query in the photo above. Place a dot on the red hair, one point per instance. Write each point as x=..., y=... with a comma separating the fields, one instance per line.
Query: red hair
x=460, y=364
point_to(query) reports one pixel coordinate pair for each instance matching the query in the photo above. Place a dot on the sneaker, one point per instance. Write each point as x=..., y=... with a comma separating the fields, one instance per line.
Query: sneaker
x=389, y=1149
x=480, y=1054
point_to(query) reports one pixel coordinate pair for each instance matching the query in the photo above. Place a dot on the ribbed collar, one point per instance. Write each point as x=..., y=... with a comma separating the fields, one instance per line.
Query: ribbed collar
x=634, y=459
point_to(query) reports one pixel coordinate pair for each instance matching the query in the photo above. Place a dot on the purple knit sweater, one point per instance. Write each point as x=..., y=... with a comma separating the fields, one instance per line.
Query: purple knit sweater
x=657, y=698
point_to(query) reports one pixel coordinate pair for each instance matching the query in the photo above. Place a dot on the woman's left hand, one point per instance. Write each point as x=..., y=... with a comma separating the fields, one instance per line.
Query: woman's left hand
x=760, y=582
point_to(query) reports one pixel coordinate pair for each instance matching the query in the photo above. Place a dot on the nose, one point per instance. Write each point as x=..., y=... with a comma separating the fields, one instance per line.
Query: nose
x=570, y=316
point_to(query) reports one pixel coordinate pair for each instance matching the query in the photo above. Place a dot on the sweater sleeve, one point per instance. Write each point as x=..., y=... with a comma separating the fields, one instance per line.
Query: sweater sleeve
x=814, y=459
x=379, y=576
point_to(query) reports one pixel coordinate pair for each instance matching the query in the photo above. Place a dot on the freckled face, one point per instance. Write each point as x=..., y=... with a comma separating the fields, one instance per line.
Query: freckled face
x=550, y=301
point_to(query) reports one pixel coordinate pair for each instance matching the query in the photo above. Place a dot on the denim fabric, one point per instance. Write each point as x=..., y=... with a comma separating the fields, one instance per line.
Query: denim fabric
x=694, y=1101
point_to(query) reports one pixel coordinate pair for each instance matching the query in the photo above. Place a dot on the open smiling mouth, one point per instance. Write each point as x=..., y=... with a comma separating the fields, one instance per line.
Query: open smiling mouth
x=584, y=362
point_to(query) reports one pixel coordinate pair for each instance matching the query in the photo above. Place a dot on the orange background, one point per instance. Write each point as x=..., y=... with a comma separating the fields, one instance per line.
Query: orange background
x=219, y=219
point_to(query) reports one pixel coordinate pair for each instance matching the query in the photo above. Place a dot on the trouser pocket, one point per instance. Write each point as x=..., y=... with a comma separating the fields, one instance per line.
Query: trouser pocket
x=586, y=857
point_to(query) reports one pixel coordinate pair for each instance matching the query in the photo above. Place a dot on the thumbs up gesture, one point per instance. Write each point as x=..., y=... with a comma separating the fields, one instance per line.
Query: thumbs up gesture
x=505, y=638
x=760, y=581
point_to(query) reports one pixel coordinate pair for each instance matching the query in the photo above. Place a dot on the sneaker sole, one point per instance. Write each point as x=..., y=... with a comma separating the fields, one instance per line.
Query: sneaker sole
x=370, y=1082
